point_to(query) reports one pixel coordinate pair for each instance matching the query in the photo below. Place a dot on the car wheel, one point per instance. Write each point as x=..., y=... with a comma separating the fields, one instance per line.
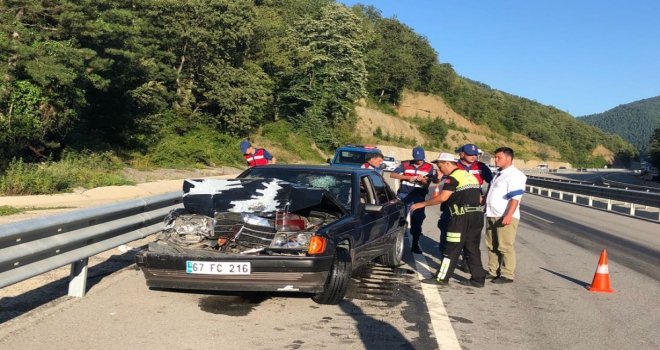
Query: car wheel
x=337, y=281
x=394, y=255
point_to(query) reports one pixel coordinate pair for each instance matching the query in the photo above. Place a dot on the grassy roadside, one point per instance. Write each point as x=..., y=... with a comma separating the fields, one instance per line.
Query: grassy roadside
x=197, y=149
x=6, y=210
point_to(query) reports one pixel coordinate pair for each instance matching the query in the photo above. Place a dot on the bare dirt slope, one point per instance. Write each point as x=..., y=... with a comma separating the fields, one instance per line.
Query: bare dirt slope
x=601, y=151
x=369, y=119
x=464, y=131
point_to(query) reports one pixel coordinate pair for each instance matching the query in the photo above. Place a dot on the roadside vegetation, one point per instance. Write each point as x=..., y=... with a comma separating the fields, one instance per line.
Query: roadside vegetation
x=71, y=171
x=6, y=210
x=93, y=86
x=9, y=210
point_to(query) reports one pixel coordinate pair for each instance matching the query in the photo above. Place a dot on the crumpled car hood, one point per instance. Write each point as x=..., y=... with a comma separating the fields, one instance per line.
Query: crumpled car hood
x=211, y=196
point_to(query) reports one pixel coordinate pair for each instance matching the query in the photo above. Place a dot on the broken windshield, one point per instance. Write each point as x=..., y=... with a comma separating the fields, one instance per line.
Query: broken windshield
x=339, y=185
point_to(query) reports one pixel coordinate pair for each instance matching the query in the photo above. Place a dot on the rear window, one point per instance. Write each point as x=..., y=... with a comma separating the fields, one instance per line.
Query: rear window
x=339, y=185
x=350, y=157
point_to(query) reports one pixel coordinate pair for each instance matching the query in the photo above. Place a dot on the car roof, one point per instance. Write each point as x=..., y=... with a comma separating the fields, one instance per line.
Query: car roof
x=320, y=168
x=359, y=148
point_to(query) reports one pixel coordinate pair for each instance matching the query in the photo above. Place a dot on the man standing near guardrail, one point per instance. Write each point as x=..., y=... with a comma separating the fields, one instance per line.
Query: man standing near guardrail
x=503, y=214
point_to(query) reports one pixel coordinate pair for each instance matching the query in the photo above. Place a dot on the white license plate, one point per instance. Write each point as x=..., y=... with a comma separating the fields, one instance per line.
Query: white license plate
x=218, y=268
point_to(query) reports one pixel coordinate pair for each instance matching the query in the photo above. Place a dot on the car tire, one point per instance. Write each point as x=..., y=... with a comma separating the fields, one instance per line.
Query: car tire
x=394, y=255
x=337, y=281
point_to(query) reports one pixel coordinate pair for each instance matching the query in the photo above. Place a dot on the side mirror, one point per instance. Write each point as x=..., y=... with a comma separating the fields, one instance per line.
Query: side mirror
x=328, y=160
x=373, y=208
x=382, y=166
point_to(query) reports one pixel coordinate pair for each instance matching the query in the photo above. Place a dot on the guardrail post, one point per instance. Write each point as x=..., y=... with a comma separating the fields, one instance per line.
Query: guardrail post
x=561, y=195
x=574, y=197
x=591, y=201
x=78, y=278
x=549, y=192
x=609, y=204
x=632, y=209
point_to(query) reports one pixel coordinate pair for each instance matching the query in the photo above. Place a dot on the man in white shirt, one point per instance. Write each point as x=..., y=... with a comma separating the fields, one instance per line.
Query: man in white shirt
x=503, y=214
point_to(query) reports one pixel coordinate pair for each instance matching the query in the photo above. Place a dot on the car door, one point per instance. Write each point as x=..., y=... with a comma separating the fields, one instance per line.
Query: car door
x=372, y=224
x=392, y=210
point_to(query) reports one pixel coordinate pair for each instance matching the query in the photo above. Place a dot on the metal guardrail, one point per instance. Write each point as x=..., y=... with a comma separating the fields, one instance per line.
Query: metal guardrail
x=560, y=180
x=612, y=183
x=617, y=194
x=30, y=248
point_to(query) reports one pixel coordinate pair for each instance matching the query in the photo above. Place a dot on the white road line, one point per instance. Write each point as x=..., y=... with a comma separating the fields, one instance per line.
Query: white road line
x=444, y=332
x=538, y=217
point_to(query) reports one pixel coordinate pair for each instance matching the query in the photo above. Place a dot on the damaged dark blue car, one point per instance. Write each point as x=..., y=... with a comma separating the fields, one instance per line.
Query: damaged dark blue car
x=278, y=228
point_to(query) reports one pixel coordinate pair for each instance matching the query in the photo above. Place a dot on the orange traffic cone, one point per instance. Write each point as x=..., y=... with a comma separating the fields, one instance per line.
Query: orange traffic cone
x=436, y=191
x=601, y=282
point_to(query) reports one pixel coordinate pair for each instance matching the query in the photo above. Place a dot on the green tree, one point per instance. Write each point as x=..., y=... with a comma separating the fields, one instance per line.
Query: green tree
x=654, y=148
x=44, y=77
x=327, y=74
x=397, y=57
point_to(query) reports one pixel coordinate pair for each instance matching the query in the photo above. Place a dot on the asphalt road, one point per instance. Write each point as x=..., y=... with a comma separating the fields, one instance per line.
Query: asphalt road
x=547, y=307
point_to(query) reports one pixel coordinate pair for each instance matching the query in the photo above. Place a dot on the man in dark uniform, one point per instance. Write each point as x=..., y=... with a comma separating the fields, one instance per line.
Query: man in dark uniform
x=415, y=176
x=462, y=194
x=374, y=161
x=468, y=155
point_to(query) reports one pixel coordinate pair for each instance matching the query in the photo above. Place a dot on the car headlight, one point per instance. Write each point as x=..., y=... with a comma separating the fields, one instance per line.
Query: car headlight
x=194, y=224
x=291, y=240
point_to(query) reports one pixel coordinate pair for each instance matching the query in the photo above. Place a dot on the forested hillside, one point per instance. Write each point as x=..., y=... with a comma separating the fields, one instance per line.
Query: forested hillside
x=168, y=81
x=633, y=121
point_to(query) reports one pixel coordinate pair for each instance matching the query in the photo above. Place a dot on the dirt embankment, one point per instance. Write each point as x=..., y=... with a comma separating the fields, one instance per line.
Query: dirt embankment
x=462, y=131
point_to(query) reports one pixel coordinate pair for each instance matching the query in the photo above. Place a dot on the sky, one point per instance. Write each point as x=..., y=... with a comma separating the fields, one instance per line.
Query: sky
x=581, y=56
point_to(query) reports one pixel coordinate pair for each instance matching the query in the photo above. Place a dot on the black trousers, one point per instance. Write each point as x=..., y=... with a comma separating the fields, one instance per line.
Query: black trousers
x=463, y=232
x=416, y=218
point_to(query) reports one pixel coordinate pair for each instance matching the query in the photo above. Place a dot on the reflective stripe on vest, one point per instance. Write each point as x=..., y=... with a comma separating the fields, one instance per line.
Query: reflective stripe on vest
x=409, y=169
x=474, y=169
x=465, y=180
x=256, y=159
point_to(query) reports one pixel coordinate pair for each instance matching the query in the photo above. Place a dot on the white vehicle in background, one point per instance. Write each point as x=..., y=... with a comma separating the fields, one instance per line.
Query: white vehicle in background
x=390, y=163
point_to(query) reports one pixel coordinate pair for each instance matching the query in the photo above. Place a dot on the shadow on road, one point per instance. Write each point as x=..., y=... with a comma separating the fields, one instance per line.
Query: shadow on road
x=375, y=334
x=12, y=307
x=576, y=281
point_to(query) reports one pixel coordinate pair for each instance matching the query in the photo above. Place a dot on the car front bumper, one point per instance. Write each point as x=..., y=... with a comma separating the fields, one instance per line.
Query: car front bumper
x=268, y=273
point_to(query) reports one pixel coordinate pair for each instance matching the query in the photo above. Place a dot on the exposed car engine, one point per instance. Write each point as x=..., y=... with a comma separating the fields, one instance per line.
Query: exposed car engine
x=244, y=233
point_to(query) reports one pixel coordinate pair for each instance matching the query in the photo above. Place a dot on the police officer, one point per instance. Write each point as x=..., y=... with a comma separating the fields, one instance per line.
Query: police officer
x=415, y=176
x=374, y=162
x=468, y=155
x=461, y=193
x=256, y=156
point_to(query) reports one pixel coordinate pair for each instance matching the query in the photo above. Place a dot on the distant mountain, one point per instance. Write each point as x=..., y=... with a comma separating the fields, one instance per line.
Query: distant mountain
x=634, y=121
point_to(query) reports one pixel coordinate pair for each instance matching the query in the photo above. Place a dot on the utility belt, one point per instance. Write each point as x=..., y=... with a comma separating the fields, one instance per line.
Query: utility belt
x=457, y=210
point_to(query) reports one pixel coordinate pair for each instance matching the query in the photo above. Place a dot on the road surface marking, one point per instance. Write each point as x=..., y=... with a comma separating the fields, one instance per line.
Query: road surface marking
x=444, y=332
x=538, y=217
